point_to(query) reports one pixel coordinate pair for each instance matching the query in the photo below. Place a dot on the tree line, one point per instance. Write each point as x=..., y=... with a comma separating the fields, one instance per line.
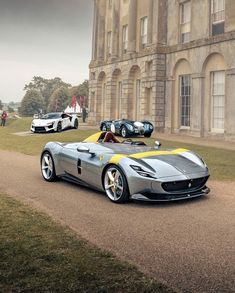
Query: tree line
x=50, y=95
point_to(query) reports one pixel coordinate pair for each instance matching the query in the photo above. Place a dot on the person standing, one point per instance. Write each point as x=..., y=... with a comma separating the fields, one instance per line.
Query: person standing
x=84, y=114
x=4, y=118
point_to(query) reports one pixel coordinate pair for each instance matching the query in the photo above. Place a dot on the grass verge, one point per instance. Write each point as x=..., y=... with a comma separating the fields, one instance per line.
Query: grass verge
x=38, y=255
x=221, y=162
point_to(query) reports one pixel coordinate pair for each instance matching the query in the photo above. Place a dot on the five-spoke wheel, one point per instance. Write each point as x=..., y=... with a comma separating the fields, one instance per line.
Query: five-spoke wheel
x=115, y=184
x=124, y=131
x=47, y=167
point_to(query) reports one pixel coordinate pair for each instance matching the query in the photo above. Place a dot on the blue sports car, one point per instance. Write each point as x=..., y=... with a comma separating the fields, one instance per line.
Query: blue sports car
x=127, y=128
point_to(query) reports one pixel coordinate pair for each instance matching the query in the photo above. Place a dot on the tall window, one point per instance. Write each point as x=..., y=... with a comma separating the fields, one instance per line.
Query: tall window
x=217, y=16
x=218, y=97
x=109, y=42
x=124, y=37
x=185, y=19
x=143, y=31
x=185, y=93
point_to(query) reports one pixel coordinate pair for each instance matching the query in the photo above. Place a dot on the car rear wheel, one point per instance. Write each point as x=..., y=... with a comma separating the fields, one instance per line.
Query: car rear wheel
x=48, y=167
x=104, y=127
x=115, y=185
x=76, y=124
x=59, y=127
x=124, y=131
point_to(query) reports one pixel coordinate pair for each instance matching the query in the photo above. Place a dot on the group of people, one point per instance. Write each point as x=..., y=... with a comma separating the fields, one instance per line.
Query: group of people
x=3, y=118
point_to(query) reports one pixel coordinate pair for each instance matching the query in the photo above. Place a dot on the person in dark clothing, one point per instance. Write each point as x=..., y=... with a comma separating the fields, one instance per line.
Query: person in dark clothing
x=4, y=118
x=84, y=114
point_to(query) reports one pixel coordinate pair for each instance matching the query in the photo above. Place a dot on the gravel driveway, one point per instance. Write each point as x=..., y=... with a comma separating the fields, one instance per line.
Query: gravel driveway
x=190, y=245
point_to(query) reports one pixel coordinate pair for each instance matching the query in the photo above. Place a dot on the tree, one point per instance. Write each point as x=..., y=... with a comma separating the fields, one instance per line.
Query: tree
x=59, y=100
x=81, y=90
x=46, y=87
x=1, y=105
x=31, y=103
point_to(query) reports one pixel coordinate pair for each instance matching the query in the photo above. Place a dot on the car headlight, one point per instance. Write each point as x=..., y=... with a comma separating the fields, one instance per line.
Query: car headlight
x=50, y=124
x=194, y=158
x=130, y=127
x=142, y=172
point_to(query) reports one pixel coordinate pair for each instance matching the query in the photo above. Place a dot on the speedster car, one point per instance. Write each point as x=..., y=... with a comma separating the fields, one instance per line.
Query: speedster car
x=127, y=128
x=54, y=122
x=126, y=170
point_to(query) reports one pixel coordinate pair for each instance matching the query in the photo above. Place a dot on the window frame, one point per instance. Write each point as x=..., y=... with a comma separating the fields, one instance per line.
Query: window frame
x=143, y=33
x=217, y=26
x=212, y=97
x=185, y=118
x=109, y=43
x=124, y=38
x=185, y=26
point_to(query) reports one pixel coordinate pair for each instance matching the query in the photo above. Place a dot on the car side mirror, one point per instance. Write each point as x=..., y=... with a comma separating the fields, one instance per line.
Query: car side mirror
x=157, y=144
x=84, y=149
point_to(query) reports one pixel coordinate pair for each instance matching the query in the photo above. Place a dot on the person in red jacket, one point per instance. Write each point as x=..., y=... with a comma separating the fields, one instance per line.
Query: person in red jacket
x=4, y=118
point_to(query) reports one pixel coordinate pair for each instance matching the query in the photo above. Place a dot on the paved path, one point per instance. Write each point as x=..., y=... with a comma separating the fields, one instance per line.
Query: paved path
x=187, y=245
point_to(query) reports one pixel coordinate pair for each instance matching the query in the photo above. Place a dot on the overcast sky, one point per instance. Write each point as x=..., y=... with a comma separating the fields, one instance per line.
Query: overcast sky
x=48, y=38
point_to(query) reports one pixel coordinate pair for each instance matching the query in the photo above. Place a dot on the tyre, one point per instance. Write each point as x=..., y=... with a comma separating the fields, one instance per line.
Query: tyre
x=115, y=184
x=124, y=131
x=48, y=167
x=103, y=127
x=59, y=127
x=147, y=134
x=75, y=124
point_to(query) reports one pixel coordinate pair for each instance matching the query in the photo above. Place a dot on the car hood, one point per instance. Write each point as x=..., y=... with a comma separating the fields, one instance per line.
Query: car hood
x=171, y=165
x=43, y=122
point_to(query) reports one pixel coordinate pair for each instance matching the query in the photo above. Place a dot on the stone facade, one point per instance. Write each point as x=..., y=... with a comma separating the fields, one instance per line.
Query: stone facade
x=170, y=62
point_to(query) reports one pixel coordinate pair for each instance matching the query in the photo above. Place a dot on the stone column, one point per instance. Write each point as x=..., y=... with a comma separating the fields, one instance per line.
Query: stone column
x=162, y=22
x=150, y=22
x=197, y=104
x=115, y=28
x=170, y=82
x=95, y=31
x=101, y=29
x=229, y=123
x=132, y=26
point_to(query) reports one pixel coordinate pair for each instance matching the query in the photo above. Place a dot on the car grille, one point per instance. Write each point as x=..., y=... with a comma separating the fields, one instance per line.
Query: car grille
x=184, y=185
x=39, y=129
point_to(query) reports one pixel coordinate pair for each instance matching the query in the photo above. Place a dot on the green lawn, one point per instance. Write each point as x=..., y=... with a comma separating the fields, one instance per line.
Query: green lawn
x=220, y=162
x=38, y=255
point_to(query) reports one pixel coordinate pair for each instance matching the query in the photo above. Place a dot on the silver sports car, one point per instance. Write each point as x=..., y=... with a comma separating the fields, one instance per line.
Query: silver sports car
x=127, y=170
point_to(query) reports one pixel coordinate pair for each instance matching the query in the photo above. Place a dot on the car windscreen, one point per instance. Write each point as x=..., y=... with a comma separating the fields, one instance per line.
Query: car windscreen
x=51, y=116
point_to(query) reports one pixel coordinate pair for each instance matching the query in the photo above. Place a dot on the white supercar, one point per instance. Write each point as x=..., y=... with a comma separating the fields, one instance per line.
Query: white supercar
x=54, y=122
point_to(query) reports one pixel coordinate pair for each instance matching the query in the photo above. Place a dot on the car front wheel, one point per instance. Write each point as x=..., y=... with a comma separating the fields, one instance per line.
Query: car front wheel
x=147, y=134
x=124, y=131
x=59, y=127
x=47, y=167
x=76, y=124
x=115, y=184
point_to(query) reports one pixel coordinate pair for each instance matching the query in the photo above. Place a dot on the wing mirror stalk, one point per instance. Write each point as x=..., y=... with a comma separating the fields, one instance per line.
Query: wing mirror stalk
x=84, y=149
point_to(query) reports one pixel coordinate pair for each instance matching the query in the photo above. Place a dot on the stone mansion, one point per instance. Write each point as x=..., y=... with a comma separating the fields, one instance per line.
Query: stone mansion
x=171, y=62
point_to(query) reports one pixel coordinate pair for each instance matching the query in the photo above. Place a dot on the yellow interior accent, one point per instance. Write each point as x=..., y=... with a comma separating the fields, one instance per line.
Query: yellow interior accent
x=93, y=137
